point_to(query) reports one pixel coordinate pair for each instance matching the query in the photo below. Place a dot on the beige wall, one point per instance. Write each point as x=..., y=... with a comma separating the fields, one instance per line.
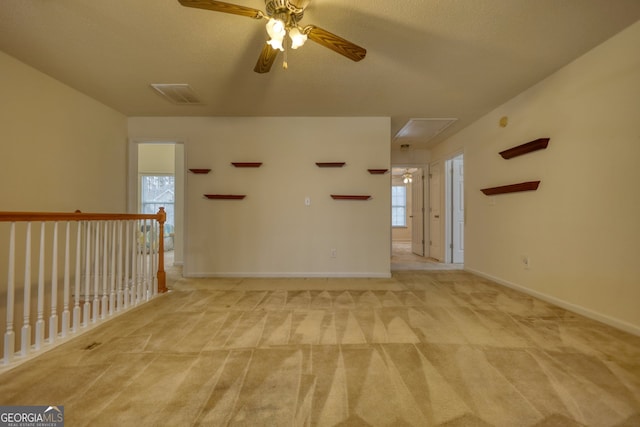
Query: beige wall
x=61, y=150
x=581, y=229
x=271, y=232
x=156, y=158
x=412, y=157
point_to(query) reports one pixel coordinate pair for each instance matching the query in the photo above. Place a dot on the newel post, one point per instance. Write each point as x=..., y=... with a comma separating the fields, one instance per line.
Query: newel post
x=162, y=277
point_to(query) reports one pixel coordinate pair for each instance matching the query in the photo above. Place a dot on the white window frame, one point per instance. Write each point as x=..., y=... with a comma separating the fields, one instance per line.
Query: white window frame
x=394, y=206
x=141, y=202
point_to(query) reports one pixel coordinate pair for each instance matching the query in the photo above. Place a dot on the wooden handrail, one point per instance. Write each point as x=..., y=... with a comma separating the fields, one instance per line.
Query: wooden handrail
x=161, y=217
x=76, y=216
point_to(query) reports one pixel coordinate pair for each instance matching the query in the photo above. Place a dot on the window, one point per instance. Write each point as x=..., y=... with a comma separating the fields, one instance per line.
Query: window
x=158, y=191
x=398, y=206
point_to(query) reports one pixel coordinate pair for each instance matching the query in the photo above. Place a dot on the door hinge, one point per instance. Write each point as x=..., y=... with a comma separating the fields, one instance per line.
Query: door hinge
x=430, y=244
x=450, y=245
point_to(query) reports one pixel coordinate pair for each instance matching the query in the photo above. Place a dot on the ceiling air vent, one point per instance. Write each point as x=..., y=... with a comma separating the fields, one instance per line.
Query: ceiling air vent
x=178, y=93
x=422, y=130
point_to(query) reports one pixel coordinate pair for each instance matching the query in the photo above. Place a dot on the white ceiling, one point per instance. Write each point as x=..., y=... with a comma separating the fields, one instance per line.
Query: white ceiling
x=425, y=58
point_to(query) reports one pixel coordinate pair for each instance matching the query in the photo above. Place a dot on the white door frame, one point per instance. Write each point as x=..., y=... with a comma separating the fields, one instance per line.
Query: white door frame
x=133, y=188
x=417, y=213
x=434, y=218
x=425, y=195
x=449, y=206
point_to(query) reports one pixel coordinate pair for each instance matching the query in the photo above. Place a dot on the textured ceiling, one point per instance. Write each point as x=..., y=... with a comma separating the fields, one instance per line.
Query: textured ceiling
x=425, y=58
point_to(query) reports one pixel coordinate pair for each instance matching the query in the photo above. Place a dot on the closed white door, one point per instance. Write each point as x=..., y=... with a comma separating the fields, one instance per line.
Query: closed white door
x=435, y=208
x=457, y=210
x=417, y=213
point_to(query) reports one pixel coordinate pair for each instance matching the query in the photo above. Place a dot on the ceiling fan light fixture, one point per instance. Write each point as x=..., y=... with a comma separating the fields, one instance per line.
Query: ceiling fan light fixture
x=276, y=44
x=283, y=17
x=277, y=31
x=407, y=177
x=298, y=38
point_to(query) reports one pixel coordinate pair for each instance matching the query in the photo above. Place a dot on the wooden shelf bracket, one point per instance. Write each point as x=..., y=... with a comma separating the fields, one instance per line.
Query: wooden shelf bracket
x=538, y=144
x=225, y=196
x=330, y=164
x=247, y=164
x=378, y=171
x=512, y=188
x=350, y=197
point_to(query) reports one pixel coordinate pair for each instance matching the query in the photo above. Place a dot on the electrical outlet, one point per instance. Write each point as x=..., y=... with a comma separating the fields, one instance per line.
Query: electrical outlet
x=307, y=201
x=526, y=262
x=334, y=253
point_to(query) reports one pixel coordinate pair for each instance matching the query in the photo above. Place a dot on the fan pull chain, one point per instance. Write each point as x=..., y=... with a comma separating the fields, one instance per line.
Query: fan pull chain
x=285, y=65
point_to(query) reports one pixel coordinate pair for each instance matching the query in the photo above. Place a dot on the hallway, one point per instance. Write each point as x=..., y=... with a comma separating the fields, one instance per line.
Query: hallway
x=403, y=259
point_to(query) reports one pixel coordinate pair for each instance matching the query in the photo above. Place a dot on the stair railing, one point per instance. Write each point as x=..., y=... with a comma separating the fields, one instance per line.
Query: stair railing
x=90, y=267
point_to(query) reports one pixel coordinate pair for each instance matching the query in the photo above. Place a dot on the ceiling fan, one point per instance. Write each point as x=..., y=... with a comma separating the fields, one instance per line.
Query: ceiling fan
x=283, y=17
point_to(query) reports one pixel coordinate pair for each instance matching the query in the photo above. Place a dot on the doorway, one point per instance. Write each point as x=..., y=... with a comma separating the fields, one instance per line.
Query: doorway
x=454, y=202
x=407, y=214
x=157, y=179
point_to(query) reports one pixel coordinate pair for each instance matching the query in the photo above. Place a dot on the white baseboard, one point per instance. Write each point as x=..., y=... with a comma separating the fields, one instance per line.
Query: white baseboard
x=611, y=321
x=293, y=275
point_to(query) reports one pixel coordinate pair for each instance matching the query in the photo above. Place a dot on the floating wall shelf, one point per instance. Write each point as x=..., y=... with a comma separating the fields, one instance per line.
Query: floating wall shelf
x=247, y=164
x=349, y=197
x=378, y=171
x=513, y=188
x=538, y=144
x=330, y=164
x=225, y=196
x=200, y=171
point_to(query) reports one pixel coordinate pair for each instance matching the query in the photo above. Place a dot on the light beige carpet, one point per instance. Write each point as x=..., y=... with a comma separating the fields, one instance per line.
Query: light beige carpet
x=403, y=258
x=420, y=349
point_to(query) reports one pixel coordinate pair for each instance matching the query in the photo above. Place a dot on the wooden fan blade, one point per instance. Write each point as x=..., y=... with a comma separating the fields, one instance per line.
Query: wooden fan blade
x=219, y=6
x=336, y=43
x=266, y=59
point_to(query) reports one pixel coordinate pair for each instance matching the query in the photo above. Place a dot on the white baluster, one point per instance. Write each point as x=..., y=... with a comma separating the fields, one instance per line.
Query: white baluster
x=127, y=262
x=9, y=335
x=76, y=293
x=66, y=291
x=87, y=278
x=119, y=275
x=147, y=260
x=26, y=310
x=40, y=315
x=154, y=258
x=141, y=269
x=112, y=281
x=134, y=262
x=147, y=253
x=53, y=316
x=105, y=275
x=140, y=265
x=96, y=277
